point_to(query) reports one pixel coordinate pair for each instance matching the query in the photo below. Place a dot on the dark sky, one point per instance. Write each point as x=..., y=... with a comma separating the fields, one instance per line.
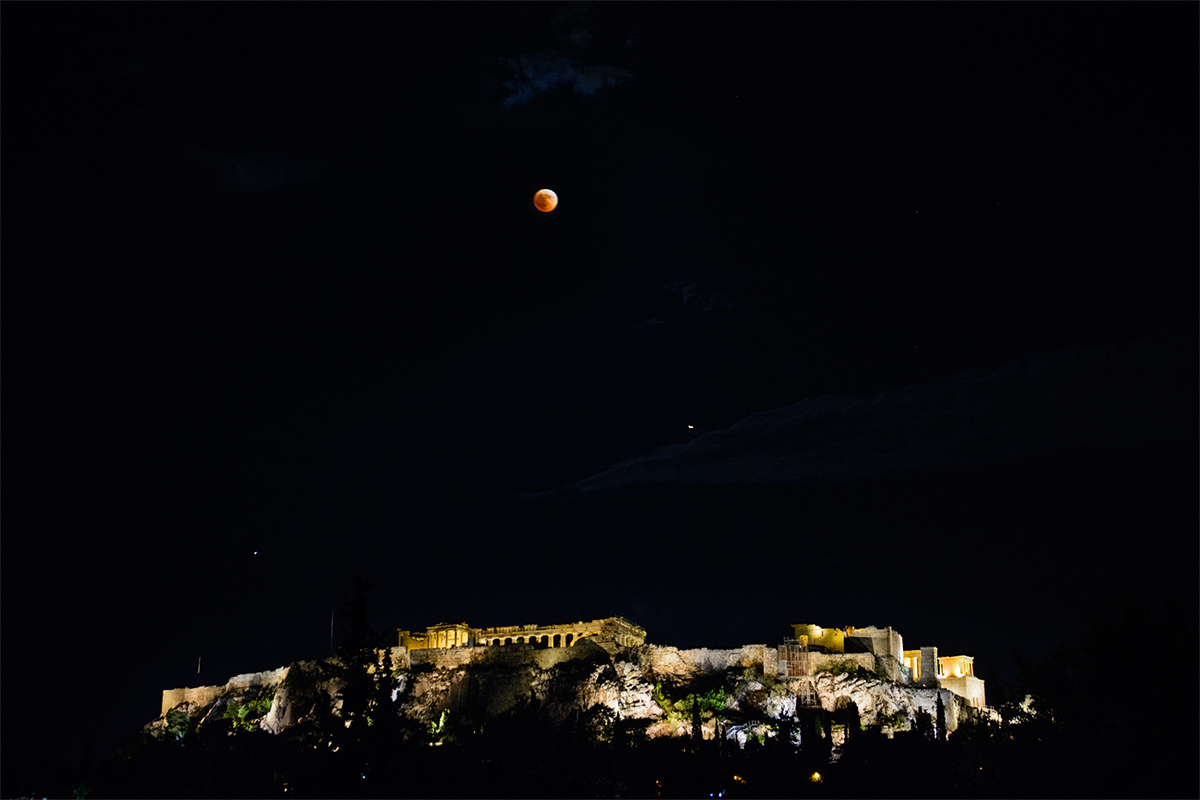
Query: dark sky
x=851, y=314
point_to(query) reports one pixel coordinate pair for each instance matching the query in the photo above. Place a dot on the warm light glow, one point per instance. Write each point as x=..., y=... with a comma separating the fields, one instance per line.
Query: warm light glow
x=739, y=779
x=545, y=200
x=815, y=777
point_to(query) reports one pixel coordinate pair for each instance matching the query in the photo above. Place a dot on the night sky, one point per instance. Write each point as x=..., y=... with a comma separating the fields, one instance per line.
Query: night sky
x=850, y=314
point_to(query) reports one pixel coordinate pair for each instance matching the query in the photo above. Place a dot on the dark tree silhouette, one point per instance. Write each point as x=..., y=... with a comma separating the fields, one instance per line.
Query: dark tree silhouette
x=941, y=719
x=356, y=609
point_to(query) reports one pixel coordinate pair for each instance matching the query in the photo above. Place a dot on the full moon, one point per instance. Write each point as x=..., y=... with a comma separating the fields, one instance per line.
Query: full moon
x=545, y=200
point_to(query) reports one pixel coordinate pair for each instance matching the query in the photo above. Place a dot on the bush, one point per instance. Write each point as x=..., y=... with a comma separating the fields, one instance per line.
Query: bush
x=712, y=703
x=245, y=716
x=179, y=723
x=838, y=668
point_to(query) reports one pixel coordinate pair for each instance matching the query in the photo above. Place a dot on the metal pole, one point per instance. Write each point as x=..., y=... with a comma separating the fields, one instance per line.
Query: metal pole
x=198, y=664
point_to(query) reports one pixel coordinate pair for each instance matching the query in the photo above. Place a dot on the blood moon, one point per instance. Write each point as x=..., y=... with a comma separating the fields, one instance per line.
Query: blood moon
x=545, y=200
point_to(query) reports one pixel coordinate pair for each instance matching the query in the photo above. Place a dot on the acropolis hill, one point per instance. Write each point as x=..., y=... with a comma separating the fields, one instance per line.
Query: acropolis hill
x=573, y=668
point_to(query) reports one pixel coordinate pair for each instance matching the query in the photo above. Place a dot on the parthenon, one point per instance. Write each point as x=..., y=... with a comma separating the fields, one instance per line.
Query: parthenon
x=460, y=634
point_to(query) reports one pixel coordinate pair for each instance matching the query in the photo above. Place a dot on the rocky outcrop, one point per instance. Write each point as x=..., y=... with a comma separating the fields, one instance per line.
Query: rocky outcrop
x=675, y=666
x=622, y=688
x=200, y=696
x=558, y=684
x=878, y=701
x=302, y=686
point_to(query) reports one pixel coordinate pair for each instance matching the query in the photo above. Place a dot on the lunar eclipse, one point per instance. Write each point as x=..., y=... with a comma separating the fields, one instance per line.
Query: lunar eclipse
x=545, y=200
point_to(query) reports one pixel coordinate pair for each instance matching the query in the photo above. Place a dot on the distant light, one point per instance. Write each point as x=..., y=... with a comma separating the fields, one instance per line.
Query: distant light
x=690, y=426
x=815, y=777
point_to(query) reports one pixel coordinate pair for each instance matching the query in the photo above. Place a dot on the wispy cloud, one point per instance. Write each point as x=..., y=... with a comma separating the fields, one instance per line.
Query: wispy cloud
x=1142, y=394
x=692, y=296
x=587, y=47
x=546, y=71
x=252, y=171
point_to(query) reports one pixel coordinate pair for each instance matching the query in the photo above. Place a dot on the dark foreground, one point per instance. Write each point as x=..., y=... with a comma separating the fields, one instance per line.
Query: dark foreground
x=1076, y=739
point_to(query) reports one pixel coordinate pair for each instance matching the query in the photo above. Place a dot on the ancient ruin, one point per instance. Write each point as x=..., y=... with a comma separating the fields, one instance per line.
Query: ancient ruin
x=494, y=670
x=813, y=647
x=459, y=634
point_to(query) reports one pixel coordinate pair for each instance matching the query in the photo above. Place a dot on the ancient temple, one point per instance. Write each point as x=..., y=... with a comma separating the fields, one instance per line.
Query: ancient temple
x=460, y=634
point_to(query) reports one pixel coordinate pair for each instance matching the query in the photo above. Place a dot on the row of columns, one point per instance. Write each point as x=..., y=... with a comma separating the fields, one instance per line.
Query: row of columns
x=548, y=639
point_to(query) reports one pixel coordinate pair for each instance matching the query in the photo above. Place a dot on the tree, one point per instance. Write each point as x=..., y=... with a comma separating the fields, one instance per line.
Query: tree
x=359, y=634
x=941, y=718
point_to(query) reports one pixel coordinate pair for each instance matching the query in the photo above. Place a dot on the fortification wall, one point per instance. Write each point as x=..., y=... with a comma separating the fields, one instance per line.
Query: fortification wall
x=967, y=687
x=399, y=657
x=271, y=677
x=508, y=655
x=203, y=695
x=445, y=658
x=196, y=695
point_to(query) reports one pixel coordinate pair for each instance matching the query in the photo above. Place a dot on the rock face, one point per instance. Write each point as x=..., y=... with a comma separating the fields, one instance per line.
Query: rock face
x=877, y=700
x=673, y=665
x=561, y=684
x=295, y=696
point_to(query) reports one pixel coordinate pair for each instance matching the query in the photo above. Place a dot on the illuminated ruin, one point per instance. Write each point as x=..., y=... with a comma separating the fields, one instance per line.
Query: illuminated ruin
x=460, y=634
x=820, y=669
x=879, y=650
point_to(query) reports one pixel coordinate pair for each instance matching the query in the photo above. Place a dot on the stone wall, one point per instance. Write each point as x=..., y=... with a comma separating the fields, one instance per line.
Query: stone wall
x=511, y=655
x=929, y=667
x=269, y=678
x=203, y=695
x=967, y=687
x=452, y=657
x=196, y=695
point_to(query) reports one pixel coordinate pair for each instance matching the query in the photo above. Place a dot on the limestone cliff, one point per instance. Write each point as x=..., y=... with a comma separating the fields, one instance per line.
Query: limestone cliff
x=562, y=684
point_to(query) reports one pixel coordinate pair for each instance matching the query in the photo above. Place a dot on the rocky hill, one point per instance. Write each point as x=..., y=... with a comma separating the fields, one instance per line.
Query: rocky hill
x=651, y=685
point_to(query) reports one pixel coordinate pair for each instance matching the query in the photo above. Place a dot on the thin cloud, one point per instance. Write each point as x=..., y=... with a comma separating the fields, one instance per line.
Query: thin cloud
x=546, y=71
x=252, y=171
x=1142, y=394
x=692, y=296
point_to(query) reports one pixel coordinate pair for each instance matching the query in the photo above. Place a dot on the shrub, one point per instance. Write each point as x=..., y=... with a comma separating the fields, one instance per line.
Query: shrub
x=245, y=715
x=837, y=668
x=712, y=703
x=179, y=723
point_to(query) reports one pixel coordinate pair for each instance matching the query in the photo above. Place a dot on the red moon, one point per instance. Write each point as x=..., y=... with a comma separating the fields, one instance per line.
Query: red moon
x=545, y=200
